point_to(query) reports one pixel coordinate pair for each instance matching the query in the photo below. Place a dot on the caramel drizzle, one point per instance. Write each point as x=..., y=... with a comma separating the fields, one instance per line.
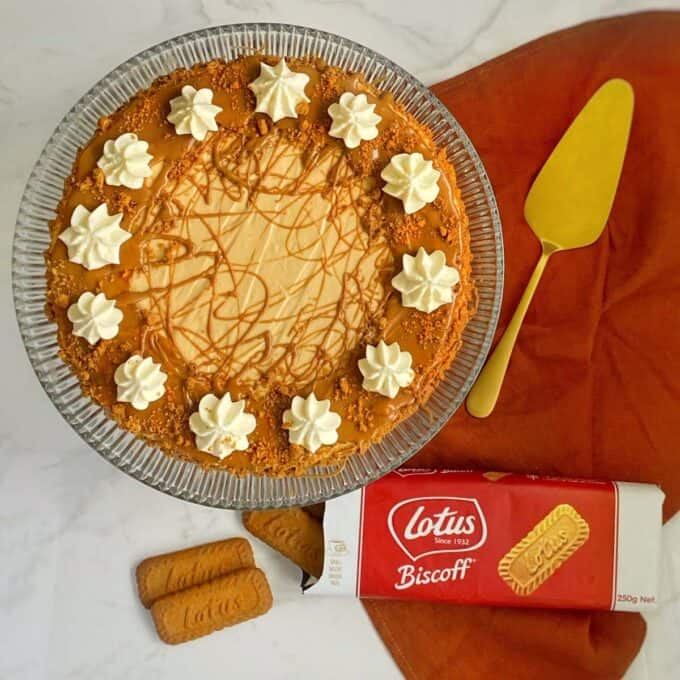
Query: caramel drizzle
x=224, y=299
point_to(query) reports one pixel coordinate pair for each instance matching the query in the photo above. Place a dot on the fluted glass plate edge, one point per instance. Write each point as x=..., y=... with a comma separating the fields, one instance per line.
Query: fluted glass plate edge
x=185, y=479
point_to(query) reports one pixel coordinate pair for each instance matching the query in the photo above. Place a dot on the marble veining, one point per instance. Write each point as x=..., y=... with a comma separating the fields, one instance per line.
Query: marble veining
x=73, y=527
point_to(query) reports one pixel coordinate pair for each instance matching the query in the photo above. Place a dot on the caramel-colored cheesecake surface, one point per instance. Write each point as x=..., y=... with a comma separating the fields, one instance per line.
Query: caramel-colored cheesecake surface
x=259, y=262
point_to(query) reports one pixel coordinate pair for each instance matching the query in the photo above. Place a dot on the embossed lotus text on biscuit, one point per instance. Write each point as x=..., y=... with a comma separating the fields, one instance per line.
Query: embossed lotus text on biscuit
x=544, y=550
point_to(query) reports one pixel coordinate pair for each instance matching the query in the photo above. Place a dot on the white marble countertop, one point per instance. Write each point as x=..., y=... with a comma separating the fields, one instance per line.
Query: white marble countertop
x=72, y=526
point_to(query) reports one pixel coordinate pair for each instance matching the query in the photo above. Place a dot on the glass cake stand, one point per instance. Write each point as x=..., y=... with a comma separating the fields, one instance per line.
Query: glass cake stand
x=150, y=465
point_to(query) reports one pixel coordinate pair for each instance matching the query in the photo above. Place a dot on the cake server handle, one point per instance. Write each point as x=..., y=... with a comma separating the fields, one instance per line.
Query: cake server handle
x=484, y=393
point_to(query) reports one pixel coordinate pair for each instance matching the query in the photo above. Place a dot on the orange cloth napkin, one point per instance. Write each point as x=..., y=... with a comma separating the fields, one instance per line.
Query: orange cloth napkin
x=593, y=386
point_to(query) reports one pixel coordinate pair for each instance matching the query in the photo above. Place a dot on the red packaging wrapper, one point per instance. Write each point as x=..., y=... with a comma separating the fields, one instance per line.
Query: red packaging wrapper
x=495, y=539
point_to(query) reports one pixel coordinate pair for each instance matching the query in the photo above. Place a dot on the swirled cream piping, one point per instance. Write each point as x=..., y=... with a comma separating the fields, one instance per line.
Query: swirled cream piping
x=426, y=282
x=95, y=317
x=411, y=179
x=125, y=161
x=193, y=113
x=354, y=119
x=386, y=369
x=311, y=423
x=140, y=381
x=94, y=238
x=221, y=425
x=279, y=91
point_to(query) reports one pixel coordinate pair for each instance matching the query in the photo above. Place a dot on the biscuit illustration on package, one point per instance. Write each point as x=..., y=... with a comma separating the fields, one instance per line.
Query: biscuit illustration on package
x=164, y=574
x=211, y=606
x=544, y=550
x=292, y=532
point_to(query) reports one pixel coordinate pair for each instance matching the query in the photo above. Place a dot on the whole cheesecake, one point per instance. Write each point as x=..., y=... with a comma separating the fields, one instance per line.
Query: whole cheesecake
x=261, y=265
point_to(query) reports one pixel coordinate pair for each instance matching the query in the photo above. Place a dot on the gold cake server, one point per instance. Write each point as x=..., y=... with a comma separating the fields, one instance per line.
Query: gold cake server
x=567, y=207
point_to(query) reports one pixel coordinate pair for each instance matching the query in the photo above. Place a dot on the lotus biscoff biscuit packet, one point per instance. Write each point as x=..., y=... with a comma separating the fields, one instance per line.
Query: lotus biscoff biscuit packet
x=494, y=538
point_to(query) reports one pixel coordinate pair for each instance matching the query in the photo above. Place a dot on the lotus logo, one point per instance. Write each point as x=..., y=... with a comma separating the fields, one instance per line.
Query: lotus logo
x=437, y=524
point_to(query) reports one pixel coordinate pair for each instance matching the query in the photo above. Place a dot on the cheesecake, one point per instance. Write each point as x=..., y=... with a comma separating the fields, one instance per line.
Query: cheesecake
x=260, y=265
